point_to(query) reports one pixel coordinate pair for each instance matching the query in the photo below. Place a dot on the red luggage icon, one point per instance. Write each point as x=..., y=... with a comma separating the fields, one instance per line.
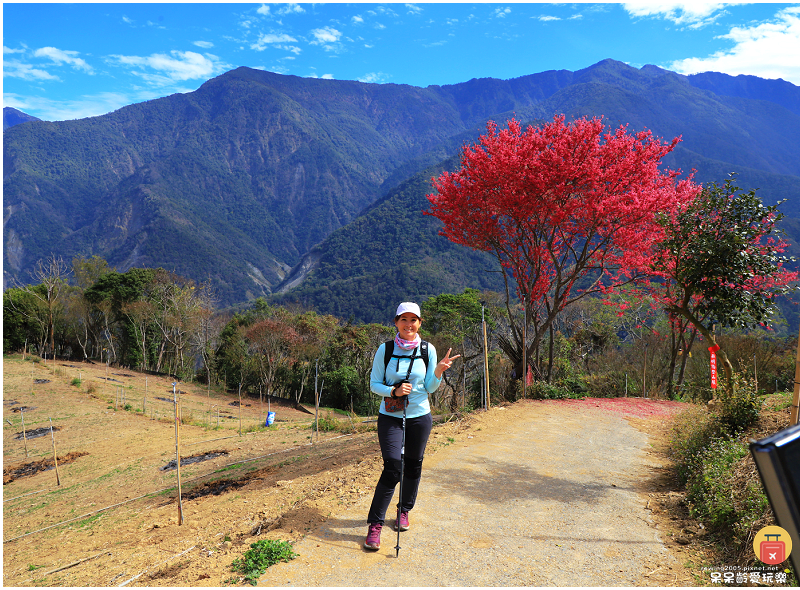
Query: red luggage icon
x=772, y=552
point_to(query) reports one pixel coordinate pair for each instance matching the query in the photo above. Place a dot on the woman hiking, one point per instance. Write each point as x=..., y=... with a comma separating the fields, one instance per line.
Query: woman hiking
x=405, y=374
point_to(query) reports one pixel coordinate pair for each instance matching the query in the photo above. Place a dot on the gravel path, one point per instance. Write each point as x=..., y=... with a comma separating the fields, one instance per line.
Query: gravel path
x=540, y=494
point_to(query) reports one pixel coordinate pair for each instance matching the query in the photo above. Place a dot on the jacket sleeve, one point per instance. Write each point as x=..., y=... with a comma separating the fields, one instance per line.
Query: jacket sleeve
x=432, y=383
x=377, y=376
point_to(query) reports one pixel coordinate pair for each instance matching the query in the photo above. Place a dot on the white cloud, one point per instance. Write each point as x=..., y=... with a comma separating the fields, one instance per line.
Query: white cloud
x=373, y=77
x=61, y=56
x=24, y=71
x=78, y=108
x=9, y=50
x=266, y=39
x=380, y=26
x=548, y=18
x=127, y=20
x=692, y=13
x=204, y=44
x=767, y=50
x=327, y=76
x=291, y=9
x=502, y=12
x=413, y=9
x=178, y=66
x=263, y=9
x=357, y=20
x=325, y=35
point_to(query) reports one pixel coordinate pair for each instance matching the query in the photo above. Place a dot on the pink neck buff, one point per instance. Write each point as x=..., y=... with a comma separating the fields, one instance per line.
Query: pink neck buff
x=407, y=344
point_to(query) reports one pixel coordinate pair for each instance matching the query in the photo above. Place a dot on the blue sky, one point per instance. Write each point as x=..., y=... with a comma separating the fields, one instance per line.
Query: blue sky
x=68, y=61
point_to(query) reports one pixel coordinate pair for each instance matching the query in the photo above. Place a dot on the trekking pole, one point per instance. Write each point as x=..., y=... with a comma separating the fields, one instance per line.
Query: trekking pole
x=402, y=465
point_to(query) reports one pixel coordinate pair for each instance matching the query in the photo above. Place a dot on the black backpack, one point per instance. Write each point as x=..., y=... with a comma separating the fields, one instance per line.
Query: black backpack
x=388, y=354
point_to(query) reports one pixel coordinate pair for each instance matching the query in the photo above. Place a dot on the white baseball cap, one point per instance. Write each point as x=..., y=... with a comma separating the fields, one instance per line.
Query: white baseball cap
x=408, y=306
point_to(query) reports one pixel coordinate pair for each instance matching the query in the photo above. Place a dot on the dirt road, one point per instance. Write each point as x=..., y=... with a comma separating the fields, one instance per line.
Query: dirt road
x=535, y=493
x=539, y=494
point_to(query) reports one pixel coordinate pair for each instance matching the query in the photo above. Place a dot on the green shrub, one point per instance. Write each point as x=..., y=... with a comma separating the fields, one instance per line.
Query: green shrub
x=328, y=424
x=76, y=382
x=261, y=555
x=739, y=409
x=709, y=489
x=545, y=390
x=692, y=431
x=611, y=384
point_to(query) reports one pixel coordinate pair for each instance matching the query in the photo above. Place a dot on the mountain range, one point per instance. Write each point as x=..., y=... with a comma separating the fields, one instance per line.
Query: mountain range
x=312, y=190
x=12, y=116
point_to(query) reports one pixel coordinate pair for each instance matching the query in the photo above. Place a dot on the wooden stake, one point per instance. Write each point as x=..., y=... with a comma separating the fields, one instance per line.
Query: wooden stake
x=24, y=436
x=178, y=454
x=316, y=404
x=55, y=457
x=240, y=408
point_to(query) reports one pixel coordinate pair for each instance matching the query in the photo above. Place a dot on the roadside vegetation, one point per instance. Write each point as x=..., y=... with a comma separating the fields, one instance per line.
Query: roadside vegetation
x=713, y=465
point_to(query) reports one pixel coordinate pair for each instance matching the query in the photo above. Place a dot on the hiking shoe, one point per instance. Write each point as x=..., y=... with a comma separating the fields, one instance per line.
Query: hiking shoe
x=373, y=542
x=402, y=524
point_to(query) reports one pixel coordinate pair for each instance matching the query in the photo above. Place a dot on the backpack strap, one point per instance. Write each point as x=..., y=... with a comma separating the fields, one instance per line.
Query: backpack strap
x=388, y=353
x=388, y=349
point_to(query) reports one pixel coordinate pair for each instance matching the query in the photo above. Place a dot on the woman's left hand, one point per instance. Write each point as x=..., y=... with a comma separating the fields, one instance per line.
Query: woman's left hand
x=445, y=364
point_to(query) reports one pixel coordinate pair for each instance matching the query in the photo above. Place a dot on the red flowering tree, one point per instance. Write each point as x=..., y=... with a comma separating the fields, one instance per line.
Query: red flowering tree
x=557, y=205
x=720, y=262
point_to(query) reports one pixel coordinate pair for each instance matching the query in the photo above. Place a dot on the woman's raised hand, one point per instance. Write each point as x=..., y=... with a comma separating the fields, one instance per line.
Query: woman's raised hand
x=445, y=363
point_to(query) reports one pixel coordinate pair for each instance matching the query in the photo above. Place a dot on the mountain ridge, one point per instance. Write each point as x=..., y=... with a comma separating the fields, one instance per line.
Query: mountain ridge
x=240, y=181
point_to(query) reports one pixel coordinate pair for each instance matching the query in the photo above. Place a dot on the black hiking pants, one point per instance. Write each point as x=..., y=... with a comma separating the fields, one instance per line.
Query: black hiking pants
x=390, y=436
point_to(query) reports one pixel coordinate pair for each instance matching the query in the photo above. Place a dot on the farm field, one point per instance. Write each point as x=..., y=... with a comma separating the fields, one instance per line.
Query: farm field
x=109, y=513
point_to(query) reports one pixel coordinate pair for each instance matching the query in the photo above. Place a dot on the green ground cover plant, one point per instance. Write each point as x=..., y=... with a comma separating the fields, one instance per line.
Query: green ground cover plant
x=261, y=555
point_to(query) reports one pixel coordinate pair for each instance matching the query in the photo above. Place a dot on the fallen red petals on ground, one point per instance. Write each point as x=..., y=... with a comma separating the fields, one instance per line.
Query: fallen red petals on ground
x=629, y=406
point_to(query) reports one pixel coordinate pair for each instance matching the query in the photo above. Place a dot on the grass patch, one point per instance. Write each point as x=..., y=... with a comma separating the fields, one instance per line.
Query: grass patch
x=87, y=522
x=348, y=426
x=261, y=555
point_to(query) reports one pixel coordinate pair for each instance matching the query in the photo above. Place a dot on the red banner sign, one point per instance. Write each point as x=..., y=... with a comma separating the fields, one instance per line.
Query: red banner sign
x=713, y=350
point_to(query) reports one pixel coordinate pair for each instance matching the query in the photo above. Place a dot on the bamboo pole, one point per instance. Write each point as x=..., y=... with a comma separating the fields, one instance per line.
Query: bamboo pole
x=793, y=419
x=178, y=454
x=644, y=373
x=486, y=360
x=755, y=372
x=55, y=457
x=524, y=349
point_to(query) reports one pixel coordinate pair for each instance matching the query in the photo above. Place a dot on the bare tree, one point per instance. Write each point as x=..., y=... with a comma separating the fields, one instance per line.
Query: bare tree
x=51, y=275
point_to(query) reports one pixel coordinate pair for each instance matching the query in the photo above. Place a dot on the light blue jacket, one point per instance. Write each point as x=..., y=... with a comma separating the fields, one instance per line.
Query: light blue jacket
x=382, y=379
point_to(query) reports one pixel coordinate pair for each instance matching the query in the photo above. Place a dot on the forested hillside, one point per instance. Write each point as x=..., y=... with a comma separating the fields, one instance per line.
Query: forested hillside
x=237, y=182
